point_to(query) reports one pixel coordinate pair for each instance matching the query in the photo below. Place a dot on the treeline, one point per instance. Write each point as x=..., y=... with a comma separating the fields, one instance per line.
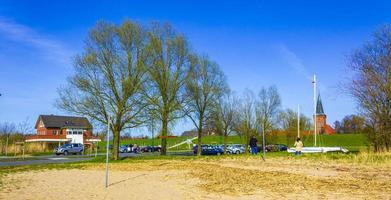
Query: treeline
x=11, y=133
x=132, y=75
x=352, y=124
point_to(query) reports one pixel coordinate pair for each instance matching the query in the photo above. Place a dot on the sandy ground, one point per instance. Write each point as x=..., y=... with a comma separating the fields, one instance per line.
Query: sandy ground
x=204, y=179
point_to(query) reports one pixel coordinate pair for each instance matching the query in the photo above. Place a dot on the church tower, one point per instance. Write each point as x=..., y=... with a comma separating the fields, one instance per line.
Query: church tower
x=320, y=117
x=322, y=126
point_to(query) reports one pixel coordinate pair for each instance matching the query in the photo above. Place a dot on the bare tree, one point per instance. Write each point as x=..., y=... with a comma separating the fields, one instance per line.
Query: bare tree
x=204, y=86
x=24, y=127
x=168, y=63
x=246, y=123
x=6, y=129
x=109, y=76
x=370, y=86
x=226, y=114
x=267, y=108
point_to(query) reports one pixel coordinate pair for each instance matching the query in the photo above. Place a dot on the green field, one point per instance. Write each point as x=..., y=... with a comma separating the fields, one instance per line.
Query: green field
x=353, y=142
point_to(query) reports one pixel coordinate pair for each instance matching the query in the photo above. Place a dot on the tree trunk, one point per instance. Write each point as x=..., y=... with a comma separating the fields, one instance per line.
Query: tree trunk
x=116, y=135
x=199, y=149
x=6, y=146
x=164, y=135
x=225, y=141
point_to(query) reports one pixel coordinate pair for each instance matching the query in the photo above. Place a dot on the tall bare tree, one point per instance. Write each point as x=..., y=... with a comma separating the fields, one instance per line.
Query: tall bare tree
x=226, y=115
x=109, y=76
x=205, y=85
x=246, y=122
x=168, y=63
x=370, y=86
x=267, y=108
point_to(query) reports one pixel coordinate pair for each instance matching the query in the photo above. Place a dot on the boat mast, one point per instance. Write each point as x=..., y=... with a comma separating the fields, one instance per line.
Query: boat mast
x=298, y=121
x=314, y=83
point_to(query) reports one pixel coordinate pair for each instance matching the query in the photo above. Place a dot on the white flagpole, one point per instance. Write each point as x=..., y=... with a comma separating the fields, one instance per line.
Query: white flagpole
x=107, y=152
x=315, y=133
x=298, y=121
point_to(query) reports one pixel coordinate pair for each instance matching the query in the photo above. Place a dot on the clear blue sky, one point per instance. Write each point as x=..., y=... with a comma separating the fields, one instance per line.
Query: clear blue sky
x=256, y=43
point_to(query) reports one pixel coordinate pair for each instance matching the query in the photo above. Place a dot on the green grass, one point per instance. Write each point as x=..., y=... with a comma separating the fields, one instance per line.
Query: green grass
x=353, y=142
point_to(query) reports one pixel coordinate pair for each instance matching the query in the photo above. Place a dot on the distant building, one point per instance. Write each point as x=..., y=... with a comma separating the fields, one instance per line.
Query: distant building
x=194, y=133
x=321, y=124
x=62, y=129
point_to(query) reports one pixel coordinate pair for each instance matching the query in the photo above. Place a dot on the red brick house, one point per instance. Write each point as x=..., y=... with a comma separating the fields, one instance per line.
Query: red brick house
x=57, y=129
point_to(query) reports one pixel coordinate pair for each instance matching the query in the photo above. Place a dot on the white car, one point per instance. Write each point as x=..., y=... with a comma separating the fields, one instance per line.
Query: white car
x=235, y=149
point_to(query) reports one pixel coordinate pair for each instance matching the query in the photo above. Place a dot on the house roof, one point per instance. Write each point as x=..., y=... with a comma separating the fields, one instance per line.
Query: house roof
x=56, y=121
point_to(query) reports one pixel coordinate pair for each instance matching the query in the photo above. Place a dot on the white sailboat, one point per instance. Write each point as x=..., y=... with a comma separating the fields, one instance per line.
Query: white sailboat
x=314, y=149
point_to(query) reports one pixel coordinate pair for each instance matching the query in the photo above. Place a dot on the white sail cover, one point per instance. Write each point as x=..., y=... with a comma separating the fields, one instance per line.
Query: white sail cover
x=319, y=150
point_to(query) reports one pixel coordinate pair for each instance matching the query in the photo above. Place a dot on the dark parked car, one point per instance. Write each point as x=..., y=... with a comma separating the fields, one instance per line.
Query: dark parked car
x=276, y=147
x=151, y=149
x=209, y=150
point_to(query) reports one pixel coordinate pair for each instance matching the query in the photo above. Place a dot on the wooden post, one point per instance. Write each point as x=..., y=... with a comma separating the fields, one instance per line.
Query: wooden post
x=96, y=149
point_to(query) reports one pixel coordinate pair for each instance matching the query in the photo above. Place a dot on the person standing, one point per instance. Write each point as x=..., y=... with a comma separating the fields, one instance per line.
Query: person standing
x=298, y=146
x=253, y=145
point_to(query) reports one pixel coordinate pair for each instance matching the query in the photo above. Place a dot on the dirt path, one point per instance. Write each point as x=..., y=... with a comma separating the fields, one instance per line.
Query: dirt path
x=222, y=179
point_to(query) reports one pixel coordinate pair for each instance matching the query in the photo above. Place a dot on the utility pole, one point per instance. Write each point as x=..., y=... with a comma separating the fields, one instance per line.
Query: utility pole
x=107, y=152
x=315, y=133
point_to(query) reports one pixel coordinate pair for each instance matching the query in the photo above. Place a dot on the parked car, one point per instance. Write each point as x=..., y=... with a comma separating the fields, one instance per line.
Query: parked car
x=151, y=149
x=209, y=150
x=277, y=147
x=235, y=149
x=135, y=149
x=70, y=148
x=157, y=148
x=124, y=149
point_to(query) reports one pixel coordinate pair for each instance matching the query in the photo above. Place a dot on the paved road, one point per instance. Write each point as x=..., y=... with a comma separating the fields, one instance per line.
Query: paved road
x=43, y=161
x=48, y=159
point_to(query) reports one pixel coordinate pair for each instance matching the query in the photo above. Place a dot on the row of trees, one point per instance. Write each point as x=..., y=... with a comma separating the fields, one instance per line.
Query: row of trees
x=133, y=75
x=11, y=133
x=351, y=124
x=130, y=75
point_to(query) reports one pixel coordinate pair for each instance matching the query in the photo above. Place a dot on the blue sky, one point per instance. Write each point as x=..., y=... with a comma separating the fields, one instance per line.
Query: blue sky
x=256, y=43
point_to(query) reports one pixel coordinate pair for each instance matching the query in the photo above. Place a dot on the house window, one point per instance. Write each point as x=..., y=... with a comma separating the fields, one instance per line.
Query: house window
x=55, y=132
x=75, y=131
